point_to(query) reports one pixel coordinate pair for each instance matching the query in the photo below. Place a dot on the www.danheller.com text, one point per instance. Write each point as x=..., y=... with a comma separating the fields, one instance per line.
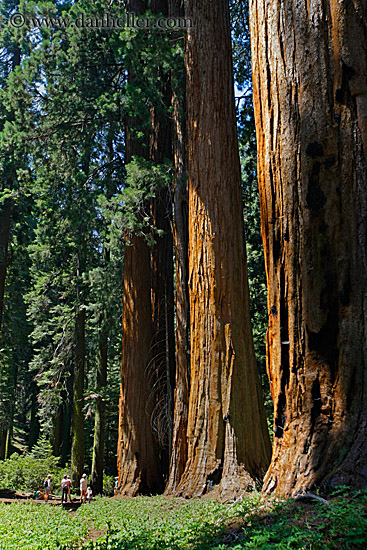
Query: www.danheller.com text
x=103, y=21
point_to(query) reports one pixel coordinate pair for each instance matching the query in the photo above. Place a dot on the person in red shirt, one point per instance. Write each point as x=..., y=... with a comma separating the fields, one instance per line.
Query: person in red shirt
x=47, y=486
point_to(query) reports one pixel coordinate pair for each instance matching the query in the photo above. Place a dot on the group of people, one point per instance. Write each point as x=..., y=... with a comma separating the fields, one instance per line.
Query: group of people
x=85, y=491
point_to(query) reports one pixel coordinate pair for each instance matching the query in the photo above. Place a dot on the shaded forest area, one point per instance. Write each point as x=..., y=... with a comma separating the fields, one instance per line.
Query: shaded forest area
x=86, y=179
x=139, y=334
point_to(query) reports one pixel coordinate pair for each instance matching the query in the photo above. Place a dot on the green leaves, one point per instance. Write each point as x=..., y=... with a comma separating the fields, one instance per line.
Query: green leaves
x=144, y=181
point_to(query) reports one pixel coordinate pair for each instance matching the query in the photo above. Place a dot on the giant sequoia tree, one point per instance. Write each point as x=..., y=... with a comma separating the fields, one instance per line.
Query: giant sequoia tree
x=228, y=443
x=310, y=93
x=147, y=368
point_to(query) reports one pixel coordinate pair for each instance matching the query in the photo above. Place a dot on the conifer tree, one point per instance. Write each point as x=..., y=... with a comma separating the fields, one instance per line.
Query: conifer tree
x=229, y=445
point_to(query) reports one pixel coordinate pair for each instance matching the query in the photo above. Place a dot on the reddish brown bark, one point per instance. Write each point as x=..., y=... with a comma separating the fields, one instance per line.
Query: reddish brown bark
x=310, y=95
x=148, y=361
x=137, y=453
x=181, y=235
x=228, y=442
x=161, y=370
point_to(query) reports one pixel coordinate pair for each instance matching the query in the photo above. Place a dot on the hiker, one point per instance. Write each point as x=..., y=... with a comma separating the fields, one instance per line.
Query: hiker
x=47, y=486
x=116, y=485
x=38, y=495
x=89, y=494
x=64, y=489
x=83, y=487
x=69, y=486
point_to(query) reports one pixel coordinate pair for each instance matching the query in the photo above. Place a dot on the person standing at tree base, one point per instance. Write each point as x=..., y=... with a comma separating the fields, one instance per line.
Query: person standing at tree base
x=68, y=481
x=83, y=488
x=47, y=486
x=64, y=489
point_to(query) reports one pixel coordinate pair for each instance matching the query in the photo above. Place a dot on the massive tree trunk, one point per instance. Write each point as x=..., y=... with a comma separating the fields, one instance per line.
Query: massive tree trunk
x=67, y=421
x=181, y=237
x=137, y=452
x=148, y=334
x=138, y=465
x=161, y=371
x=11, y=408
x=310, y=94
x=228, y=440
x=56, y=435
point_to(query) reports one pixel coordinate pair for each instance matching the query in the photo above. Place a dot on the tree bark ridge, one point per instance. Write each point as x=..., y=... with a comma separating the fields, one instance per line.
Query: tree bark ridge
x=309, y=76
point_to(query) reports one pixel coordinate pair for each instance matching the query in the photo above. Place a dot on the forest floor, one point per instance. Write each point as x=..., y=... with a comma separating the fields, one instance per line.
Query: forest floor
x=159, y=523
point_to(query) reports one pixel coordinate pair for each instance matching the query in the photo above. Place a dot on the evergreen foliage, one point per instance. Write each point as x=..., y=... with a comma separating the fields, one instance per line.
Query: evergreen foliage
x=63, y=113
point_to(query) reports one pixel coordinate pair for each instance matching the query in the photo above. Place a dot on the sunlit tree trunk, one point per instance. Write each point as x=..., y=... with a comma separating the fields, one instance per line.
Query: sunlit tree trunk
x=310, y=95
x=228, y=441
x=66, y=422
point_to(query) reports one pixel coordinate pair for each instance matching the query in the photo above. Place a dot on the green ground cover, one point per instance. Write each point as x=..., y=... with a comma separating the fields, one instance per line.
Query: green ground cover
x=38, y=527
x=158, y=523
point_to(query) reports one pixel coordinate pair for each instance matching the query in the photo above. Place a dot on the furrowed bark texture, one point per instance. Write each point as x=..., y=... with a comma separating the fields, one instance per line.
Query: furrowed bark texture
x=310, y=96
x=138, y=464
x=228, y=442
x=148, y=338
x=181, y=237
x=161, y=370
x=137, y=453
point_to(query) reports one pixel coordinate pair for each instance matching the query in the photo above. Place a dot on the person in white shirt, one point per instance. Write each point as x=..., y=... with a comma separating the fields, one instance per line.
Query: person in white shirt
x=83, y=487
x=89, y=494
x=64, y=488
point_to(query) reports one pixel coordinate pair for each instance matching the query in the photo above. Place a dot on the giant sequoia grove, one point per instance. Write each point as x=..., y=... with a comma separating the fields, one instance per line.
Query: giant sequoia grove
x=163, y=302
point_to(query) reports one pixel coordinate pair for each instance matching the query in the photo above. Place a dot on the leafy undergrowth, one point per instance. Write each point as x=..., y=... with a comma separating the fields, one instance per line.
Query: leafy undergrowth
x=42, y=526
x=158, y=523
